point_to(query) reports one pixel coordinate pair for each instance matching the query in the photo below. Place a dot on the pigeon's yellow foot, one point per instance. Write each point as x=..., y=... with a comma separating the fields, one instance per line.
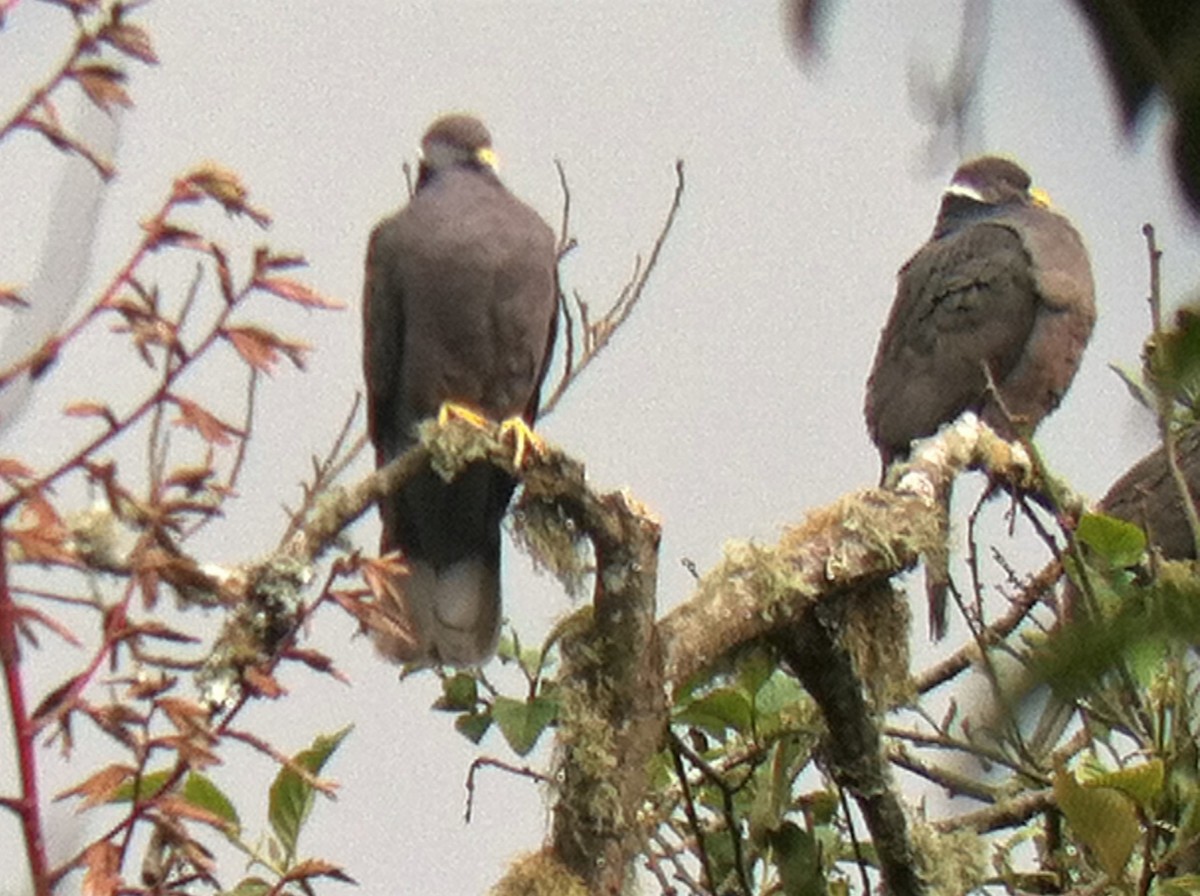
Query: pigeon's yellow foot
x=524, y=439
x=453, y=411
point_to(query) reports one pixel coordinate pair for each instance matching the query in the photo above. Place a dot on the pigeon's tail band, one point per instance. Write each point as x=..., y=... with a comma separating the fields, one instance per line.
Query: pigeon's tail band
x=450, y=617
x=458, y=609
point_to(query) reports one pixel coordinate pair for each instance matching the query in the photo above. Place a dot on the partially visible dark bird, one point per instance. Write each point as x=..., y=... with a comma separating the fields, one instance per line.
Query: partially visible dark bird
x=1147, y=496
x=459, y=305
x=1003, y=287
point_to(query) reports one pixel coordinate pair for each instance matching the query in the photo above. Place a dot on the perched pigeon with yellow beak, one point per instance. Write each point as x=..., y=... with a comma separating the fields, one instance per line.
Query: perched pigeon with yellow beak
x=1002, y=288
x=460, y=306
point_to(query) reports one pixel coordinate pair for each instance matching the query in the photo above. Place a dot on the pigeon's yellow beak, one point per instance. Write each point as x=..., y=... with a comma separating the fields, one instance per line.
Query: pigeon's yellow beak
x=487, y=156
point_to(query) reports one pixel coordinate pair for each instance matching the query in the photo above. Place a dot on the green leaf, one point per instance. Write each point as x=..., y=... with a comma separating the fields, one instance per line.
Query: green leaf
x=1104, y=819
x=1118, y=543
x=1173, y=358
x=1187, y=885
x=754, y=666
x=1137, y=388
x=473, y=725
x=251, y=886
x=1141, y=783
x=199, y=790
x=717, y=711
x=522, y=723
x=148, y=787
x=821, y=805
x=780, y=703
x=460, y=693
x=292, y=797
x=798, y=861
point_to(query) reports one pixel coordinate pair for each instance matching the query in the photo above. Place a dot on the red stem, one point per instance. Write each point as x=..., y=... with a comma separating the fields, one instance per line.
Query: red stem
x=24, y=733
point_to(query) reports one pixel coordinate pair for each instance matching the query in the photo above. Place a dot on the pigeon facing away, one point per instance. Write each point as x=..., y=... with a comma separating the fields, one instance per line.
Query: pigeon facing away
x=1002, y=288
x=460, y=305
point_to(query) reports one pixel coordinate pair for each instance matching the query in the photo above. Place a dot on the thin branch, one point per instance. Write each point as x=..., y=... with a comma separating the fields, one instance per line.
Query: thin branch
x=689, y=809
x=27, y=806
x=327, y=788
x=954, y=784
x=566, y=242
x=732, y=827
x=1006, y=814
x=596, y=335
x=521, y=771
x=997, y=632
x=1165, y=400
x=327, y=471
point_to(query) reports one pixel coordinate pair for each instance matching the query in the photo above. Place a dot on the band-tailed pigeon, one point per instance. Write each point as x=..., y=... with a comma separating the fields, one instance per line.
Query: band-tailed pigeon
x=460, y=305
x=1004, y=286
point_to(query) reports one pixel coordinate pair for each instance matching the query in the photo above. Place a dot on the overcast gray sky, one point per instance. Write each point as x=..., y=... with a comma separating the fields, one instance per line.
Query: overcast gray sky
x=732, y=400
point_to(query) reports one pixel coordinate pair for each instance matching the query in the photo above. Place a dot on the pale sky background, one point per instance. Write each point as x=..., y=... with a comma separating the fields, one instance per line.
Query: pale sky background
x=732, y=400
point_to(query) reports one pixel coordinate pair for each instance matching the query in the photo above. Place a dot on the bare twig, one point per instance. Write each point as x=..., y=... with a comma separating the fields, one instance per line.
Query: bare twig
x=595, y=335
x=523, y=771
x=327, y=470
x=1018, y=609
x=1165, y=400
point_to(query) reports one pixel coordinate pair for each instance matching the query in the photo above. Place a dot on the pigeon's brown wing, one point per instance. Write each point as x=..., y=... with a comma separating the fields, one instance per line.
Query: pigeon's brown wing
x=1148, y=496
x=962, y=302
x=1066, y=313
x=383, y=346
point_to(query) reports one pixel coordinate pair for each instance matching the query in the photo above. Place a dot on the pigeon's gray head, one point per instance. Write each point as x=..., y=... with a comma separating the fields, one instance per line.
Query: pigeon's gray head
x=993, y=180
x=457, y=141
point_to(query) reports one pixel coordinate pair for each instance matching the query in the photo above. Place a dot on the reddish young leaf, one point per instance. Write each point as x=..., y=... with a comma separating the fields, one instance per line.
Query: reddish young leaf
x=261, y=348
x=352, y=602
x=126, y=304
x=147, y=686
x=102, y=864
x=130, y=39
x=264, y=260
x=190, y=479
x=46, y=355
x=91, y=409
x=55, y=625
x=42, y=537
x=14, y=471
x=208, y=426
x=164, y=233
x=117, y=721
x=223, y=275
x=186, y=715
x=295, y=291
x=154, y=629
x=263, y=683
x=147, y=582
x=316, y=661
x=10, y=297
x=311, y=868
x=192, y=749
x=100, y=787
x=61, y=699
x=224, y=186
x=102, y=81
x=178, y=807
